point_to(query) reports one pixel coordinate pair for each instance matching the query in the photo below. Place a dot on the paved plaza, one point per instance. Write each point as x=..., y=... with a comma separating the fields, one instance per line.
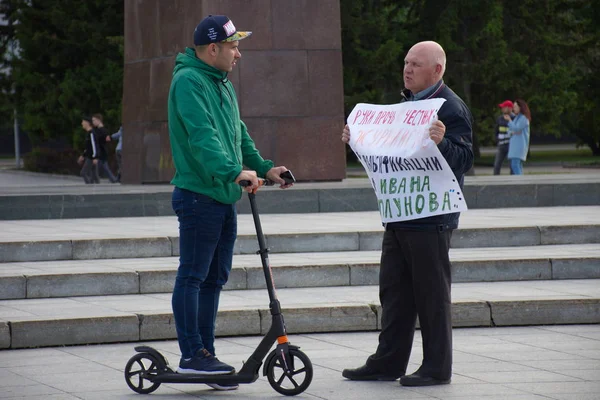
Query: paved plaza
x=69, y=281
x=513, y=363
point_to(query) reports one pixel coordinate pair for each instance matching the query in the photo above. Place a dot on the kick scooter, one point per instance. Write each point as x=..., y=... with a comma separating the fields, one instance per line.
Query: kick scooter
x=287, y=368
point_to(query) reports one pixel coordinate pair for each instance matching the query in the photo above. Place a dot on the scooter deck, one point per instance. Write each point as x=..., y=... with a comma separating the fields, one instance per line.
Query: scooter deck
x=174, y=377
x=166, y=374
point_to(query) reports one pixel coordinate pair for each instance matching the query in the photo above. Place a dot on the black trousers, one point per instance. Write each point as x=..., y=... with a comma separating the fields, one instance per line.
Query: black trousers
x=414, y=280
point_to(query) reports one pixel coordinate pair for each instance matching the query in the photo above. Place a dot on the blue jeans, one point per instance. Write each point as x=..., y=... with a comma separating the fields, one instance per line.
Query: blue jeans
x=103, y=165
x=516, y=166
x=207, y=232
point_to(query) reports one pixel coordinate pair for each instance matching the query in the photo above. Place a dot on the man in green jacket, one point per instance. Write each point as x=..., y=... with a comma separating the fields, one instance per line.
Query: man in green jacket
x=210, y=144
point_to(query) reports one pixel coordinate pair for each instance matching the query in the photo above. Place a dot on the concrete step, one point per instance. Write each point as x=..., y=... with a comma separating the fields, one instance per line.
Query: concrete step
x=43, y=279
x=81, y=239
x=58, y=201
x=142, y=317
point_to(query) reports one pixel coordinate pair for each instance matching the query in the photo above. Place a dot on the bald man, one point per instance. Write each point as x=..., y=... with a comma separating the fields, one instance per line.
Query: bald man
x=415, y=270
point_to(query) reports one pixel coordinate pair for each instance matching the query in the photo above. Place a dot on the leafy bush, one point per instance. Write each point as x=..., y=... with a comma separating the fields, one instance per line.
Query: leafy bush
x=69, y=64
x=50, y=160
x=53, y=159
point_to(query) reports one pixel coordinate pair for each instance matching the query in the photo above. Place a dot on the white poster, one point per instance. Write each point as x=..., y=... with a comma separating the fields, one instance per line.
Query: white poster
x=410, y=176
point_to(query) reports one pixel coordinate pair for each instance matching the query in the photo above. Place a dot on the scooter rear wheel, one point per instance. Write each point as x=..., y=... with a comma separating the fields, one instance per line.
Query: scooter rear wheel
x=288, y=383
x=137, y=370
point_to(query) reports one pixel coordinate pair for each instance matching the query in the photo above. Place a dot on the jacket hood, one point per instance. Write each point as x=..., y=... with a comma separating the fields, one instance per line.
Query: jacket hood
x=188, y=59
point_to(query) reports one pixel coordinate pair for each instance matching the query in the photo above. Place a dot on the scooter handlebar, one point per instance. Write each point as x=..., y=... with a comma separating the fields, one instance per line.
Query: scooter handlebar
x=261, y=182
x=287, y=176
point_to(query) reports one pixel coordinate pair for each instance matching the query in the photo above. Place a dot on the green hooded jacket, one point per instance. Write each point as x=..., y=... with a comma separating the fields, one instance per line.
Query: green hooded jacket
x=209, y=141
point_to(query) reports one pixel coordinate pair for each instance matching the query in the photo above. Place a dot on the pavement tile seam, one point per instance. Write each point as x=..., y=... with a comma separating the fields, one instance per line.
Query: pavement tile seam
x=542, y=348
x=40, y=382
x=525, y=391
x=87, y=361
x=572, y=376
x=553, y=330
x=487, y=357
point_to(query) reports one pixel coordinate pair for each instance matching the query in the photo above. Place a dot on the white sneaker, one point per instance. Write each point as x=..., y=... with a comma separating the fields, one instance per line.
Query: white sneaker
x=223, y=386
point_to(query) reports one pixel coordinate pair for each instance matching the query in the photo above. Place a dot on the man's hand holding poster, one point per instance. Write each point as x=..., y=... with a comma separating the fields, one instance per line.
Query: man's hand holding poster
x=410, y=176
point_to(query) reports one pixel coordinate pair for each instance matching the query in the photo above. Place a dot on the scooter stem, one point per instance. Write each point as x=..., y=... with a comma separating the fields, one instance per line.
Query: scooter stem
x=264, y=256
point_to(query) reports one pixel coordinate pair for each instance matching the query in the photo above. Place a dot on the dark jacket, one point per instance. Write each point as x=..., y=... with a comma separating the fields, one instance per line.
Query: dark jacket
x=101, y=134
x=502, y=135
x=457, y=149
x=91, y=146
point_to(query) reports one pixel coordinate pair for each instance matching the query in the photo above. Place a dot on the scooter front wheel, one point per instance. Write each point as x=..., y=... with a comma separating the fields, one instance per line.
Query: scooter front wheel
x=138, y=369
x=294, y=379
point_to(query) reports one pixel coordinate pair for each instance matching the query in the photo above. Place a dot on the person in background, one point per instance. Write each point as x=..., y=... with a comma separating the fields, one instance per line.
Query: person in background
x=519, y=136
x=119, y=135
x=502, y=135
x=102, y=138
x=89, y=158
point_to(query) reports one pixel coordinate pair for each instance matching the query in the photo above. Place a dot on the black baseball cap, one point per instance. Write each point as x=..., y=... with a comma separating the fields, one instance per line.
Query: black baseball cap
x=215, y=29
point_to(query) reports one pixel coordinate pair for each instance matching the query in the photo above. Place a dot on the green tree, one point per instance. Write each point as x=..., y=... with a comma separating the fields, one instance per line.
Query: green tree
x=374, y=40
x=471, y=33
x=70, y=64
x=543, y=36
x=7, y=47
x=544, y=51
x=584, y=118
x=501, y=49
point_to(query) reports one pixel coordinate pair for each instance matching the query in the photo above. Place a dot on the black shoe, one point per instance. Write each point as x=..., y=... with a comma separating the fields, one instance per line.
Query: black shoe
x=417, y=379
x=366, y=373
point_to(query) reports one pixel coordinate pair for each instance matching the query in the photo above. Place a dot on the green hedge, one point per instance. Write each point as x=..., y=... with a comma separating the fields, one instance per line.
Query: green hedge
x=60, y=161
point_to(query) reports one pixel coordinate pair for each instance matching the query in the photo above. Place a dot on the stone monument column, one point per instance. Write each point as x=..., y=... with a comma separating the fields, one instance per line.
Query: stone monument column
x=289, y=82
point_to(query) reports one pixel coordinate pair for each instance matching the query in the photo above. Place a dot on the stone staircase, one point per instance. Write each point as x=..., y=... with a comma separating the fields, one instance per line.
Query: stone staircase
x=49, y=198
x=108, y=280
